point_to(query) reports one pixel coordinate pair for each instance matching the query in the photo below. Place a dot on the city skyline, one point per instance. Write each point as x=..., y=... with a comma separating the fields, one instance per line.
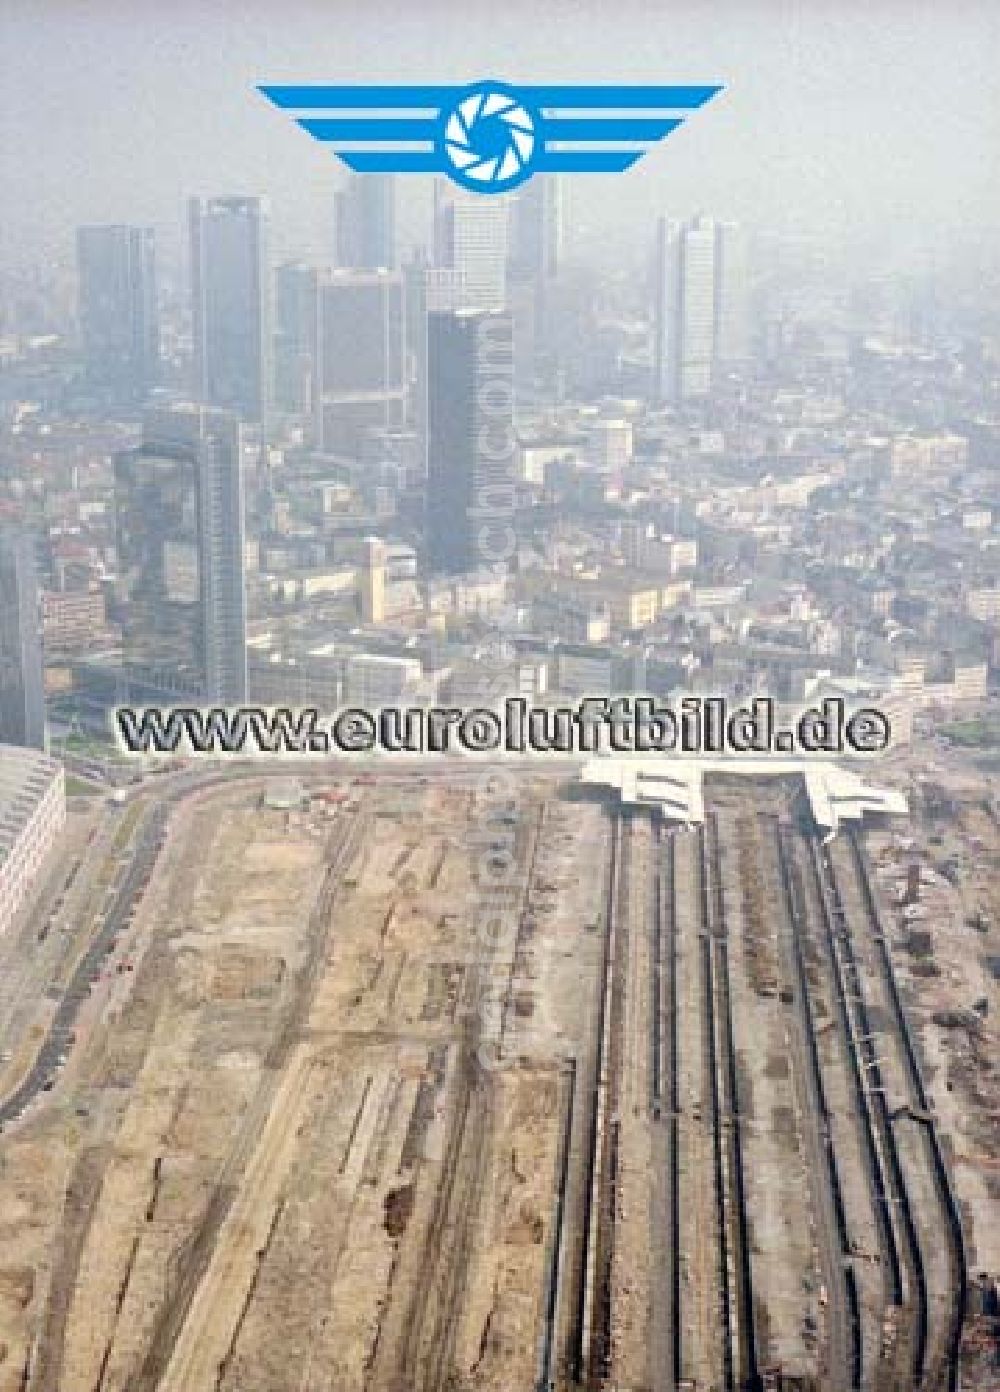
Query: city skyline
x=779, y=145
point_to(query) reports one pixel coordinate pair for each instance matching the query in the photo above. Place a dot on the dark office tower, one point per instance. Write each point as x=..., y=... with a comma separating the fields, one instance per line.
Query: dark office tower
x=365, y=214
x=360, y=358
x=428, y=290
x=295, y=309
x=22, y=692
x=231, y=304
x=119, y=323
x=470, y=480
x=181, y=595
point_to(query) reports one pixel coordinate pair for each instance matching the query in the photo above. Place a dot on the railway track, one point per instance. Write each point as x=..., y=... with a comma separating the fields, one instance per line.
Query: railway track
x=740, y=1366
x=546, y=1380
x=846, y=1358
x=711, y=1047
x=590, y=1100
x=889, y=1176
x=888, y=1247
x=589, y=1344
x=946, y=1365
x=812, y=902
x=606, y=1155
x=886, y=1172
x=675, y=1107
x=665, y=964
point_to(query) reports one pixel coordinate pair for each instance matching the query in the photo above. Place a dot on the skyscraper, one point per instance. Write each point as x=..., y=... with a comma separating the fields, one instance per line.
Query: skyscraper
x=532, y=269
x=697, y=308
x=180, y=532
x=732, y=291
x=119, y=322
x=701, y=306
x=470, y=481
x=295, y=326
x=365, y=213
x=427, y=290
x=471, y=237
x=230, y=293
x=536, y=237
x=22, y=692
x=360, y=357
x=667, y=326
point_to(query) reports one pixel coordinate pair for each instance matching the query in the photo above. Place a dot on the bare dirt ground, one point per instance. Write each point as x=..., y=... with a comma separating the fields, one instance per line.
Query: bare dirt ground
x=288, y=1153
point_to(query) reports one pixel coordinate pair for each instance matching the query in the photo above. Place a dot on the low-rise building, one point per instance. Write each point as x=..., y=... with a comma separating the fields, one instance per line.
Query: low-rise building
x=373, y=679
x=984, y=604
x=611, y=443
x=72, y=619
x=584, y=670
x=917, y=455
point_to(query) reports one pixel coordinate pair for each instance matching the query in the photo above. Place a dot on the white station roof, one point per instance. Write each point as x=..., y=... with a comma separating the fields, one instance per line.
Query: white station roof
x=836, y=794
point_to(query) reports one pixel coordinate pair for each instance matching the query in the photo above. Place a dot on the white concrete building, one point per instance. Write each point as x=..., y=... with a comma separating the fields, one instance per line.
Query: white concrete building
x=32, y=815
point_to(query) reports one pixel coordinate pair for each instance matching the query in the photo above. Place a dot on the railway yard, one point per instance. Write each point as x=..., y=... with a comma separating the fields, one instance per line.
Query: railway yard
x=444, y=1084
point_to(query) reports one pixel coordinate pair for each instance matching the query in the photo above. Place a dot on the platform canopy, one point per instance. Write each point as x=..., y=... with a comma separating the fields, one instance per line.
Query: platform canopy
x=675, y=785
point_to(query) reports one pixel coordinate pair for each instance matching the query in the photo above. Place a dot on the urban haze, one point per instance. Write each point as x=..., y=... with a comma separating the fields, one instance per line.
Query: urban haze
x=650, y=1055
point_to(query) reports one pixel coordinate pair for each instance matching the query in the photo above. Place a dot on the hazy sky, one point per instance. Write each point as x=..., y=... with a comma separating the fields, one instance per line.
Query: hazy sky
x=880, y=117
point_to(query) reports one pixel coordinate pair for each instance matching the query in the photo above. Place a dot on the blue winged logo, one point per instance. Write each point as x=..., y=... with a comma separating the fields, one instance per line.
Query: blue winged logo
x=489, y=137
